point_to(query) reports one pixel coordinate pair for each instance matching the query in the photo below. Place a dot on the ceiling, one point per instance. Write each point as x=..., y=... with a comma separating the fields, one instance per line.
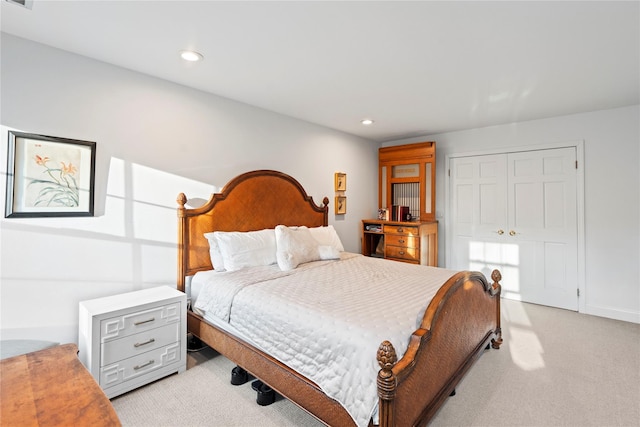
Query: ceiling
x=415, y=68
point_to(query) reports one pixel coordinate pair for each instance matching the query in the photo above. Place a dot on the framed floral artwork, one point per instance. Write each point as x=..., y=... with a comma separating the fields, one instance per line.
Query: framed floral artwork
x=49, y=176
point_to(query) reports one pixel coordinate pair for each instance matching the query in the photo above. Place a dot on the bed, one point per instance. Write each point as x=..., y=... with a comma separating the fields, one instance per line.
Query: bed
x=458, y=320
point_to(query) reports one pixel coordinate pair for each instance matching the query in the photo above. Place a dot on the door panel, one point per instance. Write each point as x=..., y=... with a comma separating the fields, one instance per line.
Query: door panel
x=542, y=209
x=477, y=194
x=479, y=214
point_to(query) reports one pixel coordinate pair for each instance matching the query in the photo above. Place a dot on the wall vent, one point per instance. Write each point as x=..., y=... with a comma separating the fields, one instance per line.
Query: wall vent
x=27, y=4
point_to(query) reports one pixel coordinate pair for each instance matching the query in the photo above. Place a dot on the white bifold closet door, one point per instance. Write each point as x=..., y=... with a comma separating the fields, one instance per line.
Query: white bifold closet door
x=517, y=212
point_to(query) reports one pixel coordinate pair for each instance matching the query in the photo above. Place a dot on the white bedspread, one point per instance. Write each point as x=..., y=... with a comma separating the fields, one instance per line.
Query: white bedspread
x=326, y=319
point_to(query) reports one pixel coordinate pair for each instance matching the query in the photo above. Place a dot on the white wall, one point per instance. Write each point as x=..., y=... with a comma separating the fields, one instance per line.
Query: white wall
x=154, y=140
x=612, y=194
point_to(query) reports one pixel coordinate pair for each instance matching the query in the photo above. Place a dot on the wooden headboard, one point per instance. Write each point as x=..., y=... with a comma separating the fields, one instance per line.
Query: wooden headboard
x=252, y=201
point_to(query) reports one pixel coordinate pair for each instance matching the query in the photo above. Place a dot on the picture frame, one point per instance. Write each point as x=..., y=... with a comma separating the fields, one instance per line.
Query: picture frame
x=49, y=176
x=341, y=205
x=340, y=181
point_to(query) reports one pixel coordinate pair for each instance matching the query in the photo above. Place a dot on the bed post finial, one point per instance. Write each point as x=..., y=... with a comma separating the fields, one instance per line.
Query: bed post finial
x=496, y=277
x=387, y=382
x=495, y=290
x=182, y=200
x=325, y=202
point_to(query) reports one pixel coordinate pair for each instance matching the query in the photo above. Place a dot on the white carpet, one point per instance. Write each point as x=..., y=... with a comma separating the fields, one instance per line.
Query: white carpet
x=204, y=396
x=555, y=368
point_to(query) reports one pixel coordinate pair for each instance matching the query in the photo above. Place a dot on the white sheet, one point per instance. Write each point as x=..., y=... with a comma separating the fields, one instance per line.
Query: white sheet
x=326, y=319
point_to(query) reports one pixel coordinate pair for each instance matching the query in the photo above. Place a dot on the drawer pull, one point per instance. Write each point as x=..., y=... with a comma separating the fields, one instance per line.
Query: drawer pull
x=144, y=365
x=401, y=252
x=400, y=230
x=142, y=322
x=140, y=344
x=401, y=240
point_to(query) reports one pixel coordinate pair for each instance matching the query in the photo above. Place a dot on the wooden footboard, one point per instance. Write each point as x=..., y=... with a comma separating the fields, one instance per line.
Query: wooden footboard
x=461, y=321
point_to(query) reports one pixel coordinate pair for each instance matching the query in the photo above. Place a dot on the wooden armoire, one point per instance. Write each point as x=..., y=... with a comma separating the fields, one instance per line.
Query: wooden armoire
x=407, y=179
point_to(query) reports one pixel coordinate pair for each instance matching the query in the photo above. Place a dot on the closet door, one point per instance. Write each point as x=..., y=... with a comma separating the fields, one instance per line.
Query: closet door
x=479, y=211
x=542, y=223
x=517, y=212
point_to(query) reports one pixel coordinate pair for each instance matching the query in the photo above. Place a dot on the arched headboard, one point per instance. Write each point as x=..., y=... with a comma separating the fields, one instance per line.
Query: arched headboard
x=252, y=201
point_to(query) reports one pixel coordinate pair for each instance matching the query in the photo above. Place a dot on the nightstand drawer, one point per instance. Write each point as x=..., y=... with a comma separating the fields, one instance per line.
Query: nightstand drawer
x=139, y=365
x=408, y=230
x=410, y=254
x=403, y=241
x=132, y=323
x=139, y=343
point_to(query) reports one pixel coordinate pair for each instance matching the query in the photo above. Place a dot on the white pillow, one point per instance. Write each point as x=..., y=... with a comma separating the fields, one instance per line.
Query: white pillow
x=217, y=261
x=327, y=236
x=328, y=252
x=246, y=249
x=296, y=245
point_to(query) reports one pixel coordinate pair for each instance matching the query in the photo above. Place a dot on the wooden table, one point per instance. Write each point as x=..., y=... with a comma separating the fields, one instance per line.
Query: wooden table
x=52, y=388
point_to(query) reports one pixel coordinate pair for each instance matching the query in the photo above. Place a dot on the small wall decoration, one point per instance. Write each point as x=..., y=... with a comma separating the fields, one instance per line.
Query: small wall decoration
x=341, y=205
x=340, y=181
x=49, y=176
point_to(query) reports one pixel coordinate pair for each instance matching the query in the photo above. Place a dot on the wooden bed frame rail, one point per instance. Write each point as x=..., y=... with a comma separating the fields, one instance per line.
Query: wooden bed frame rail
x=461, y=321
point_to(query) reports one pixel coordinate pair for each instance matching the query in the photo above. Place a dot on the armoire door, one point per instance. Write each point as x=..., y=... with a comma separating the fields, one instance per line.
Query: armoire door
x=517, y=212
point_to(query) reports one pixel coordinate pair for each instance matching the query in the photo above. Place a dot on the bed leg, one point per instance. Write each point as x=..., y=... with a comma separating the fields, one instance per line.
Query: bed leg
x=453, y=393
x=239, y=376
x=387, y=383
x=496, y=343
x=496, y=290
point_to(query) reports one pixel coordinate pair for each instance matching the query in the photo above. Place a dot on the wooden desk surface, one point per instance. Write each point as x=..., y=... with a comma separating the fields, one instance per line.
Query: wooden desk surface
x=52, y=388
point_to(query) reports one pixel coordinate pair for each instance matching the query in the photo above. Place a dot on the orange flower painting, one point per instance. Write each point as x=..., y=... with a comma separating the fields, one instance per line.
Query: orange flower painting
x=59, y=186
x=49, y=176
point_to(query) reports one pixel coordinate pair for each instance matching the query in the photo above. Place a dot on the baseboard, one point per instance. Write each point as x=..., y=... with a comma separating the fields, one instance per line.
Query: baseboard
x=616, y=314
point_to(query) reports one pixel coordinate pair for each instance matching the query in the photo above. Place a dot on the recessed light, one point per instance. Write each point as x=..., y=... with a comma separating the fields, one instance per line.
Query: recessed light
x=191, y=56
x=366, y=122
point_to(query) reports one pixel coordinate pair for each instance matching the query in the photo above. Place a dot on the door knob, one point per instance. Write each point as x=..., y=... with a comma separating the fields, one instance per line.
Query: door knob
x=512, y=233
x=500, y=232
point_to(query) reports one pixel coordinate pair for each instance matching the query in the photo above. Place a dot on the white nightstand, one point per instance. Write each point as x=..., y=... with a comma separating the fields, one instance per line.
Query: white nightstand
x=131, y=339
